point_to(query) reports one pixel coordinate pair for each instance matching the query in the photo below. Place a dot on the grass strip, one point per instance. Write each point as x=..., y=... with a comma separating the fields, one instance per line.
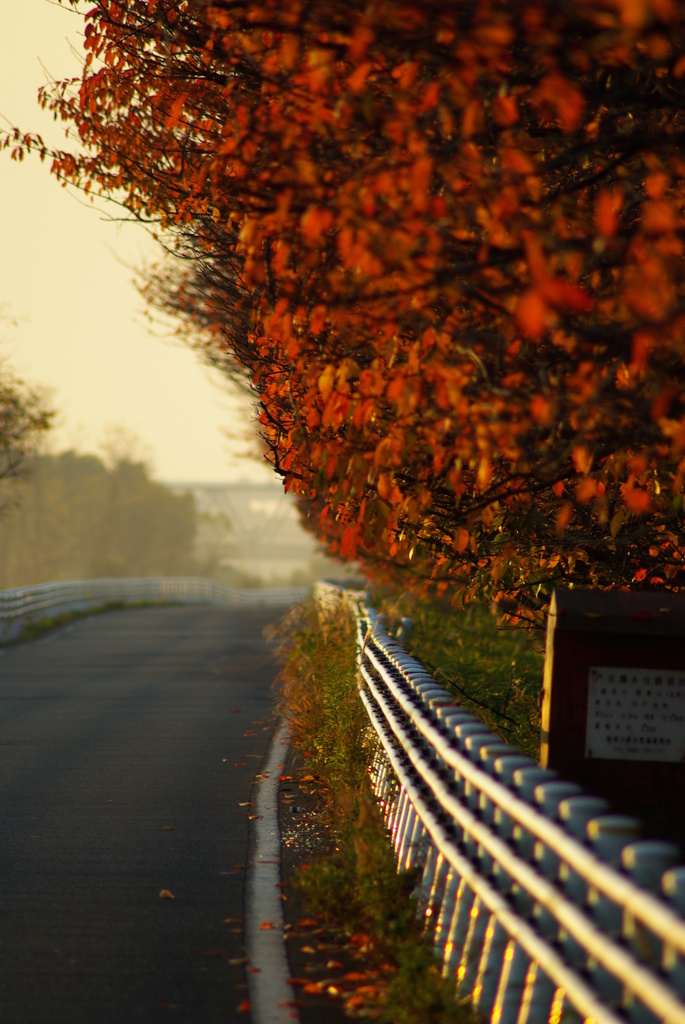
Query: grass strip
x=353, y=886
x=46, y=624
x=494, y=672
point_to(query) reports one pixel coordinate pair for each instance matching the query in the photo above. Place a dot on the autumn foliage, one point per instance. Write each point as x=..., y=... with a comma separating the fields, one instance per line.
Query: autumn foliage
x=444, y=242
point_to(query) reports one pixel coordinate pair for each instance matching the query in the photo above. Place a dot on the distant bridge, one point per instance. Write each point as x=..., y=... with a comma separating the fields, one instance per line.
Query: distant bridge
x=264, y=535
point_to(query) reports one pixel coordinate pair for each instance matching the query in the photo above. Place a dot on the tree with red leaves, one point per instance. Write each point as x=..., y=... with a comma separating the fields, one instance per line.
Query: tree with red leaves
x=445, y=245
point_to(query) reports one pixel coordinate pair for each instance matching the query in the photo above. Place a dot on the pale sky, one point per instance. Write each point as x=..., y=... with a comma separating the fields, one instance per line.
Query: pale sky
x=65, y=279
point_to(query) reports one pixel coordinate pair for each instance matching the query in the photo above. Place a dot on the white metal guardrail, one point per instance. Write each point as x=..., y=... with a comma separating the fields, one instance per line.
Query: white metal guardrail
x=543, y=905
x=30, y=604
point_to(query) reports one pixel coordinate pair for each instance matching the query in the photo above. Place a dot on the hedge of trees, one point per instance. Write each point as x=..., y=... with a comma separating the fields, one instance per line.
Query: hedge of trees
x=444, y=244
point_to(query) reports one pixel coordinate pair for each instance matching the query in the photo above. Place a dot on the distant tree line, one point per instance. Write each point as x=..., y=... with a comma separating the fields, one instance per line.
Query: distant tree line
x=79, y=518
x=25, y=416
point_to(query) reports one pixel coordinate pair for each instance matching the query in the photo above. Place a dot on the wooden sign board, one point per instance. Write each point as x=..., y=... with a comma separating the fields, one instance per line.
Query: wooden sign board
x=613, y=710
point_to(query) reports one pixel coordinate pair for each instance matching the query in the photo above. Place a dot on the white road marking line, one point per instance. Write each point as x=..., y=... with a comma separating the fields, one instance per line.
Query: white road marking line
x=270, y=993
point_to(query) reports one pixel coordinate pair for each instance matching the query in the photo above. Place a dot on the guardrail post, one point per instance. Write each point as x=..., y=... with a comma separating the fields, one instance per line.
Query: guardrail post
x=472, y=949
x=446, y=910
x=458, y=930
x=673, y=888
x=411, y=851
x=398, y=819
x=432, y=887
x=490, y=967
x=608, y=835
x=505, y=1009
x=538, y=994
x=646, y=861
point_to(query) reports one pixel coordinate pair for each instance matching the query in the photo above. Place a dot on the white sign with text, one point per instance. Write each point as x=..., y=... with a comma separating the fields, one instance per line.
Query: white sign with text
x=635, y=714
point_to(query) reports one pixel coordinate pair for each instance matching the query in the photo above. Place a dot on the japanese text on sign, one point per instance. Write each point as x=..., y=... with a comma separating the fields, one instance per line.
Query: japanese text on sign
x=636, y=714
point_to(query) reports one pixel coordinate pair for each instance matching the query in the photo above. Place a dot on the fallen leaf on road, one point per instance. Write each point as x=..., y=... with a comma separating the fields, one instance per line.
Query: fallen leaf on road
x=244, y=1006
x=266, y=925
x=235, y=710
x=251, y=817
x=246, y=803
x=240, y=764
x=235, y=960
x=166, y=895
x=313, y=988
x=248, y=733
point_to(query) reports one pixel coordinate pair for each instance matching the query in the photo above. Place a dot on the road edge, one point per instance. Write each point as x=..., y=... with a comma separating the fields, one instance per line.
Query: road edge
x=268, y=971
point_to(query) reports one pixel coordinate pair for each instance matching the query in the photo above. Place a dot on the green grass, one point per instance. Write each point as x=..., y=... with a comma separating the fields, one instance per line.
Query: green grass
x=47, y=623
x=319, y=696
x=496, y=673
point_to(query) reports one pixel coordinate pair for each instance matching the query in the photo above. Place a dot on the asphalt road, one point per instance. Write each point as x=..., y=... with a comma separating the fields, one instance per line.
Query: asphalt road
x=127, y=745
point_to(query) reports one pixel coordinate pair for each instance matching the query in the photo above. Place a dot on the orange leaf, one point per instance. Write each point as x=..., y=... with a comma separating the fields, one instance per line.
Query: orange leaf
x=541, y=410
x=290, y=47
x=326, y=381
x=635, y=13
x=348, y=543
x=358, y=77
x=658, y=218
x=608, y=206
x=517, y=162
x=472, y=120
x=586, y=489
x=313, y=988
x=175, y=111
x=563, y=518
x=505, y=110
x=461, y=541
x=582, y=458
x=531, y=313
x=635, y=499
x=566, y=295
x=315, y=222
x=656, y=184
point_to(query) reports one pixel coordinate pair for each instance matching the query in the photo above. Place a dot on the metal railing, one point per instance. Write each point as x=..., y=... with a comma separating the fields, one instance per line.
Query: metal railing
x=23, y=605
x=543, y=905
